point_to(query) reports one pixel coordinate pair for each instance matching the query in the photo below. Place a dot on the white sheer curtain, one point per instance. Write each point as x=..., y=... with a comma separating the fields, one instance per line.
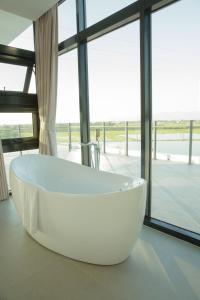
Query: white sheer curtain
x=3, y=181
x=46, y=51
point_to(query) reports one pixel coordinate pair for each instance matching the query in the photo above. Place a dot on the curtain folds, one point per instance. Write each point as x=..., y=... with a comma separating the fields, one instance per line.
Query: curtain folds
x=46, y=52
x=3, y=181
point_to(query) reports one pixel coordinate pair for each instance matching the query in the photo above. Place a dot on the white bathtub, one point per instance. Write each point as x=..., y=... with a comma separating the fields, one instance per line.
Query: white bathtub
x=79, y=212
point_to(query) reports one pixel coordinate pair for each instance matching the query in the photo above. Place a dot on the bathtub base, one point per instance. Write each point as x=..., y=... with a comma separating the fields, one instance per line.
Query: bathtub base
x=76, y=211
x=95, y=259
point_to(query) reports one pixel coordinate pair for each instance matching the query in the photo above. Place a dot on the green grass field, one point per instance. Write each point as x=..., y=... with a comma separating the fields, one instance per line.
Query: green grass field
x=115, y=132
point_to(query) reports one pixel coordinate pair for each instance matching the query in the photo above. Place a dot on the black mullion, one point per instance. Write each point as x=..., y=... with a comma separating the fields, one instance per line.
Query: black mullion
x=146, y=101
x=83, y=85
x=27, y=79
x=178, y=232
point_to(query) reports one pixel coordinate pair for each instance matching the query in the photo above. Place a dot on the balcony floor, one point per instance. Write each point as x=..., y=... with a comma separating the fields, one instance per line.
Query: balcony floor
x=175, y=190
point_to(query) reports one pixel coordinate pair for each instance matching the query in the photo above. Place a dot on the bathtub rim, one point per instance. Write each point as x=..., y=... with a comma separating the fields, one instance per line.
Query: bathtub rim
x=138, y=180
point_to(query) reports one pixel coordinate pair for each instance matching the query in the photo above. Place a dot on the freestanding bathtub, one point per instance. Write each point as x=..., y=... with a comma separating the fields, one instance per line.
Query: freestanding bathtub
x=82, y=213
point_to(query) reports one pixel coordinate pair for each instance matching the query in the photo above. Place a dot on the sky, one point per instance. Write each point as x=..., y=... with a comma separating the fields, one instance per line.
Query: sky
x=175, y=59
x=114, y=65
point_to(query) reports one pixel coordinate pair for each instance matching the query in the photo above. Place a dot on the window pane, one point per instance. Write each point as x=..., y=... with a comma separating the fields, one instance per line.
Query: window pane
x=32, y=87
x=114, y=90
x=176, y=101
x=25, y=40
x=15, y=125
x=66, y=20
x=98, y=10
x=12, y=77
x=67, y=117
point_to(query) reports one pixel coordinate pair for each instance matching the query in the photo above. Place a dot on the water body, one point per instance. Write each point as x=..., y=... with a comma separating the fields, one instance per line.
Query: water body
x=164, y=147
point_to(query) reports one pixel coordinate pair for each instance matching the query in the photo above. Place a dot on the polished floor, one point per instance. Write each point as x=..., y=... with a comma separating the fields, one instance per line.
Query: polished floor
x=159, y=268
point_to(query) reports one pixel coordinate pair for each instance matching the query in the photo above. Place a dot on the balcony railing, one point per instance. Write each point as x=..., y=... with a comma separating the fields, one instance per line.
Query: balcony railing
x=171, y=140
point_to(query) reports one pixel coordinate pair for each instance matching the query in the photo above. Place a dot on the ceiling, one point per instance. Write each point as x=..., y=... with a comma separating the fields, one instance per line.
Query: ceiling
x=11, y=26
x=29, y=9
x=17, y=15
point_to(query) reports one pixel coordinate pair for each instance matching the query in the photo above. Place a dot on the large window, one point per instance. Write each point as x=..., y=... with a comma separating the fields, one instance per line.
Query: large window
x=176, y=114
x=111, y=78
x=114, y=90
x=19, y=124
x=67, y=117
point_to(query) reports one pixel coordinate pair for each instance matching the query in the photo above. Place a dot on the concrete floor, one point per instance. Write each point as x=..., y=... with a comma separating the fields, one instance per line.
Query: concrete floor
x=159, y=268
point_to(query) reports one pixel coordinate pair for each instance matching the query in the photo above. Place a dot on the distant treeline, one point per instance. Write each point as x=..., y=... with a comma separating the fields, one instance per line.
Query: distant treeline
x=114, y=130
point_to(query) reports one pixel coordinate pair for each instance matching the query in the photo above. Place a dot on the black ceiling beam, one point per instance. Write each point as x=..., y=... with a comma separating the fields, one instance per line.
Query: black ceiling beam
x=16, y=56
x=18, y=102
x=19, y=144
x=15, y=60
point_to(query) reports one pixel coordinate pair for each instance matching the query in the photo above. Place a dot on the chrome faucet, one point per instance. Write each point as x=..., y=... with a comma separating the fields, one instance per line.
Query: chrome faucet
x=96, y=159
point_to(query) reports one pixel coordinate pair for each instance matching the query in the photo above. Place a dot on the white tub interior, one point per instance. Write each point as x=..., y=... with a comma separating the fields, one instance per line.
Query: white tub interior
x=70, y=177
